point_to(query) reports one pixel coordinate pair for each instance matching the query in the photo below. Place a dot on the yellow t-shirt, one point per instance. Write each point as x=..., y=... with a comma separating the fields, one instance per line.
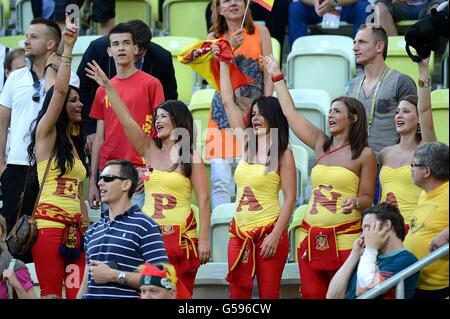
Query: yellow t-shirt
x=398, y=188
x=257, y=196
x=331, y=185
x=62, y=192
x=168, y=199
x=429, y=218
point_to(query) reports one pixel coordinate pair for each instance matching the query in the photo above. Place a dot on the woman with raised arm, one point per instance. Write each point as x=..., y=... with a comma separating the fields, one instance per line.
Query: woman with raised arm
x=249, y=41
x=258, y=242
x=176, y=168
x=343, y=184
x=57, y=148
x=414, y=122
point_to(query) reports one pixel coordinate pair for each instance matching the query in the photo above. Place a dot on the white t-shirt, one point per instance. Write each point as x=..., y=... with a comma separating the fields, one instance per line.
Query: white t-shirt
x=17, y=95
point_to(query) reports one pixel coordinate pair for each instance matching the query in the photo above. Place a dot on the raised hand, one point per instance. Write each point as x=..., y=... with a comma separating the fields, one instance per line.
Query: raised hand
x=271, y=65
x=237, y=39
x=95, y=72
x=70, y=32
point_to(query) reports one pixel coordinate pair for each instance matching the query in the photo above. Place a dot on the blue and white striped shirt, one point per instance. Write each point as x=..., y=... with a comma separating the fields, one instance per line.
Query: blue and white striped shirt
x=124, y=243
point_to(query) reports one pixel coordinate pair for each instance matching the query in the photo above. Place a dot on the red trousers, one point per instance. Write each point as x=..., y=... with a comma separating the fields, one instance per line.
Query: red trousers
x=52, y=270
x=314, y=283
x=268, y=271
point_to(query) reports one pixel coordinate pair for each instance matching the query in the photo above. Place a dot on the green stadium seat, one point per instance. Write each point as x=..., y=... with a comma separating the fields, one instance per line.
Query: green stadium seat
x=220, y=221
x=185, y=18
x=79, y=48
x=403, y=25
x=276, y=50
x=398, y=59
x=301, y=164
x=439, y=103
x=5, y=10
x=185, y=76
x=294, y=231
x=210, y=281
x=290, y=282
x=13, y=41
x=200, y=106
x=321, y=61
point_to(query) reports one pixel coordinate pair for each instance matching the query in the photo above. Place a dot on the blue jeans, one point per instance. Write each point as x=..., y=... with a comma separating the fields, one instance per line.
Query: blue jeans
x=300, y=15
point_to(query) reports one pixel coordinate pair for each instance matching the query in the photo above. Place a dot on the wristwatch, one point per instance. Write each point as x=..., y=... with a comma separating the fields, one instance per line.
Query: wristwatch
x=357, y=204
x=121, y=278
x=423, y=84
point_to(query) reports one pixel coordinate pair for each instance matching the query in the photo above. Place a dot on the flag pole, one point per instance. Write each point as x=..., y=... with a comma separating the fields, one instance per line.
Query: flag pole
x=245, y=13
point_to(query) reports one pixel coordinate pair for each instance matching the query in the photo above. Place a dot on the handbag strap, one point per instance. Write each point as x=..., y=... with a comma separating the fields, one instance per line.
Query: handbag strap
x=22, y=195
x=42, y=185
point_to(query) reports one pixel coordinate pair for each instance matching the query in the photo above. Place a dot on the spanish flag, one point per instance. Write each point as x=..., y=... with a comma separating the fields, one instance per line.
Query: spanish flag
x=268, y=4
x=200, y=57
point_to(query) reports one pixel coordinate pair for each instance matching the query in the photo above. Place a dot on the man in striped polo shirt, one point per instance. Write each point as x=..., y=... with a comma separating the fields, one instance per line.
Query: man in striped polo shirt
x=121, y=241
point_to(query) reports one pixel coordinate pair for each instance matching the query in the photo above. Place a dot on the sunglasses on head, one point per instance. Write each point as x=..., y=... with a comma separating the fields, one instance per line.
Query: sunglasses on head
x=110, y=178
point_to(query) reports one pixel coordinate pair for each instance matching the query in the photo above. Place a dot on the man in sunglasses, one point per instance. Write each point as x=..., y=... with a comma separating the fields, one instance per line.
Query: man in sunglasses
x=20, y=102
x=429, y=222
x=122, y=240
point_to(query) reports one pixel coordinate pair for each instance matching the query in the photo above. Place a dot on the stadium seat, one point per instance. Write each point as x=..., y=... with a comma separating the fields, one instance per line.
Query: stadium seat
x=220, y=221
x=24, y=15
x=94, y=214
x=398, y=59
x=200, y=148
x=185, y=18
x=197, y=217
x=79, y=48
x=210, y=281
x=314, y=105
x=13, y=41
x=200, y=106
x=403, y=25
x=290, y=282
x=32, y=271
x=321, y=61
x=276, y=50
x=439, y=102
x=185, y=76
x=5, y=11
x=133, y=9
x=294, y=231
x=301, y=164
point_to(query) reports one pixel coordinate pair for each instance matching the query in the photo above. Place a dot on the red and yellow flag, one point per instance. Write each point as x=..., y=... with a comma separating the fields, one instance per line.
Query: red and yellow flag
x=199, y=56
x=268, y=4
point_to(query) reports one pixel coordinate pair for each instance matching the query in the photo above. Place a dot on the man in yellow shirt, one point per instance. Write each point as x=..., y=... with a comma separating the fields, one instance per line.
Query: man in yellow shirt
x=430, y=172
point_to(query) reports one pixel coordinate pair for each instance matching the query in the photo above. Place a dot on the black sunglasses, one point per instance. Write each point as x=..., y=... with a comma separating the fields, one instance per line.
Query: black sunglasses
x=110, y=178
x=416, y=165
x=37, y=95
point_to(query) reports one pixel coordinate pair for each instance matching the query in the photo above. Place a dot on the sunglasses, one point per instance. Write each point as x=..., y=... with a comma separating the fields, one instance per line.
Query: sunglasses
x=110, y=178
x=416, y=165
x=36, y=96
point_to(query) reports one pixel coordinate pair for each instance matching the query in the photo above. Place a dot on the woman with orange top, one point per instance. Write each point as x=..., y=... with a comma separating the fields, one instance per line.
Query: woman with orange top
x=414, y=123
x=258, y=243
x=343, y=184
x=176, y=169
x=57, y=147
x=248, y=43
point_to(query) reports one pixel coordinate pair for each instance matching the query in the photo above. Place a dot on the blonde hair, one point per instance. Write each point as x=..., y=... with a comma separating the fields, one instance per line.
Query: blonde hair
x=219, y=24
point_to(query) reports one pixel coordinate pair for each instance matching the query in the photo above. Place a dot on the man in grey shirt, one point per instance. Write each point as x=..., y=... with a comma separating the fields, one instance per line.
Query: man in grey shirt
x=379, y=88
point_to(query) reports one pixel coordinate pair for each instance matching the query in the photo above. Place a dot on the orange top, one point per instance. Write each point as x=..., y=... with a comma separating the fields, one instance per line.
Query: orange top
x=220, y=142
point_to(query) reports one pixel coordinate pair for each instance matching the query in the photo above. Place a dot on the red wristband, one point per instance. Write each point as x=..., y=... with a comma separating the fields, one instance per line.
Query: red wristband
x=278, y=77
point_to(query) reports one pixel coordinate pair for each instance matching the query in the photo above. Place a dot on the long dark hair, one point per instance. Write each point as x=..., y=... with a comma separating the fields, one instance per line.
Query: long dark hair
x=62, y=150
x=270, y=109
x=181, y=118
x=357, y=137
x=219, y=24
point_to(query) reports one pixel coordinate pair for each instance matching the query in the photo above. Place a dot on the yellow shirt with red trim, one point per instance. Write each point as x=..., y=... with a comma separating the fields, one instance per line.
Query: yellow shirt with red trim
x=429, y=218
x=257, y=196
x=397, y=188
x=63, y=192
x=331, y=185
x=168, y=199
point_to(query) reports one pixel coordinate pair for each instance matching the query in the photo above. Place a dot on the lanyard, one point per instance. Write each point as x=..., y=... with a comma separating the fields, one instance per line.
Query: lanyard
x=374, y=96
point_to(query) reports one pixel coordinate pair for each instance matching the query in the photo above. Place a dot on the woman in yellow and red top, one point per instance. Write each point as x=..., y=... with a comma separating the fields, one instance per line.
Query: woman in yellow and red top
x=343, y=184
x=176, y=169
x=58, y=251
x=248, y=43
x=258, y=243
x=414, y=122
